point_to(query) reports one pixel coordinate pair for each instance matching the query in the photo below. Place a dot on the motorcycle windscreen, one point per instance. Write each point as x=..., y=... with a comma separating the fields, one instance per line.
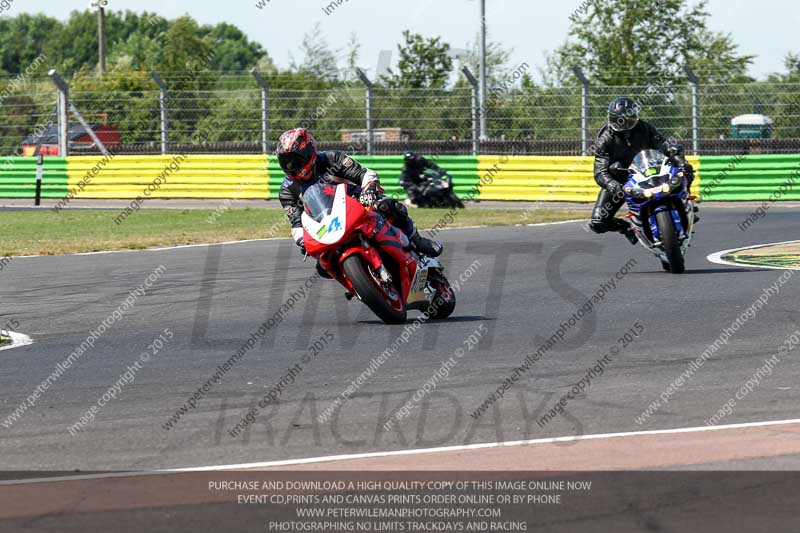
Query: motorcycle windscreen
x=318, y=200
x=325, y=212
x=648, y=163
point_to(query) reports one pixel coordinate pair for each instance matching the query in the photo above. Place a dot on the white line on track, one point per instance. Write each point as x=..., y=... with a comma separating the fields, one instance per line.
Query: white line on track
x=716, y=257
x=445, y=449
x=556, y=223
x=181, y=246
x=17, y=340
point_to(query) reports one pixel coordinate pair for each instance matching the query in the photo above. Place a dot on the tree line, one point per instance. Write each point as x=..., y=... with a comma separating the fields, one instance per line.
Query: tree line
x=637, y=46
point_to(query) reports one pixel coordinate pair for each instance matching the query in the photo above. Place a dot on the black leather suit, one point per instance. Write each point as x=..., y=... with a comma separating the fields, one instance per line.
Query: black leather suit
x=611, y=147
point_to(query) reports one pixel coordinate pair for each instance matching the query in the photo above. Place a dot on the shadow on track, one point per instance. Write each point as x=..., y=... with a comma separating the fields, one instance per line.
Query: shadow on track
x=451, y=319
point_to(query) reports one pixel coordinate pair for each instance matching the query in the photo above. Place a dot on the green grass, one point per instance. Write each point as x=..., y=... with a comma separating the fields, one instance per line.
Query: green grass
x=69, y=231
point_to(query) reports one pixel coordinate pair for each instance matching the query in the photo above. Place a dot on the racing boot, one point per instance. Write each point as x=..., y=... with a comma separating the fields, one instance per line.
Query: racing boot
x=427, y=247
x=619, y=225
x=630, y=235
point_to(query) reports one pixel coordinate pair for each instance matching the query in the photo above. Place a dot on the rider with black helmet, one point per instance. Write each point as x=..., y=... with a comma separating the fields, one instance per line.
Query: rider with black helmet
x=619, y=141
x=303, y=165
x=412, y=177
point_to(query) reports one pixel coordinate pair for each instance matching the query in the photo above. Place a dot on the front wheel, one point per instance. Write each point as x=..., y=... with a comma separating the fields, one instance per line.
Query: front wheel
x=443, y=302
x=455, y=201
x=386, y=302
x=670, y=242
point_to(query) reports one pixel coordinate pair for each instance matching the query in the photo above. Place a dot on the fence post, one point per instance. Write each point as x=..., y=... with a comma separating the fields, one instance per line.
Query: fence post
x=368, y=84
x=63, y=116
x=39, y=171
x=695, y=81
x=264, y=109
x=164, y=105
x=584, y=109
x=475, y=104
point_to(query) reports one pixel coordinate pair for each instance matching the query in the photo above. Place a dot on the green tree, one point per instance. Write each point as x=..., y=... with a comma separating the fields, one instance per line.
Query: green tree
x=24, y=37
x=625, y=42
x=318, y=60
x=497, y=57
x=184, y=48
x=139, y=52
x=233, y=50
x=792, y=64
x=352, y=54
x=423, y=64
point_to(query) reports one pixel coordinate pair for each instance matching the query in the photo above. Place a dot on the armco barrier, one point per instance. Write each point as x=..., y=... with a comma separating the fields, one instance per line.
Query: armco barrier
x=750, y=177
x=540, y=178
x=170, y=176
x=463, y=169
x=533, y=178
x=18, y=177
x=527, y=178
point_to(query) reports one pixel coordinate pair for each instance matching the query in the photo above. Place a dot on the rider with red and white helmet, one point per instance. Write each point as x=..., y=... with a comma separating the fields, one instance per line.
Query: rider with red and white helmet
x=304, y=165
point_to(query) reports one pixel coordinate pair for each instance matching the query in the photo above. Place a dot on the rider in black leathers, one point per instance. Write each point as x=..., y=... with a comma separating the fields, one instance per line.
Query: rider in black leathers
x=619, y=141
x=304, y=165
x=412, y=177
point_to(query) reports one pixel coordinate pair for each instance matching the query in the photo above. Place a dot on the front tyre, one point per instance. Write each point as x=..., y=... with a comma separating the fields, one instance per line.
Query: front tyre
x=443, y=302
x=670, y=242
x=384, y=302
x=455, y=201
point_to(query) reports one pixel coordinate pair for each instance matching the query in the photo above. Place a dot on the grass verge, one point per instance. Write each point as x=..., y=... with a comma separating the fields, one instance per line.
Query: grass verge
x=49, y=233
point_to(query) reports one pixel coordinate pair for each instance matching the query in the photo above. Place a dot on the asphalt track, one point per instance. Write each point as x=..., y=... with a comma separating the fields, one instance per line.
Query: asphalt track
x=522, y=283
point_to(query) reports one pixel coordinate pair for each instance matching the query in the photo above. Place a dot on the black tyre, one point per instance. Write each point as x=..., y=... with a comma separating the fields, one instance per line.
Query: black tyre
x=455, y=201
x=670, y=242
x=387, y=304
x=444, y=301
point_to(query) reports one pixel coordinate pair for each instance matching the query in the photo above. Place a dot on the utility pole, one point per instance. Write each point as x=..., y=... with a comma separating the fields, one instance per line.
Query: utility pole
x=100, y=6
x=482, y=76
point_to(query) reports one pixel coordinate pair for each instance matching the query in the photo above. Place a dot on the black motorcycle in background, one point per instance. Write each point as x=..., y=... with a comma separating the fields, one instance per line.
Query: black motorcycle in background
x=431, y=189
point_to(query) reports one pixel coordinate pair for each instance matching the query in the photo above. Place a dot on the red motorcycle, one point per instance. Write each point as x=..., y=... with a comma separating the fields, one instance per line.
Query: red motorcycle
x=372, y=259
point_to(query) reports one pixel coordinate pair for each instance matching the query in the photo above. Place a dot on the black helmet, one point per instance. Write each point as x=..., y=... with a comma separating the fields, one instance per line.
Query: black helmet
x=623, y=114
x=410, y=157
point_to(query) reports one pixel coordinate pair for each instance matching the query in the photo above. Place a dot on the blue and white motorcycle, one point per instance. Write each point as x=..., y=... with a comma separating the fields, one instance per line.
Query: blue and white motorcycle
x=660, y=210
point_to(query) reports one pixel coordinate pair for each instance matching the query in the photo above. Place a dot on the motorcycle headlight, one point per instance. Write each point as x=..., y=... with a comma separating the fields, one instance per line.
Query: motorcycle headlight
x=635, y=192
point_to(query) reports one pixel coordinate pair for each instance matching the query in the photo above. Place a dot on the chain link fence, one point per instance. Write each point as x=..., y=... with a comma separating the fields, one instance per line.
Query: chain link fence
x=211, y=112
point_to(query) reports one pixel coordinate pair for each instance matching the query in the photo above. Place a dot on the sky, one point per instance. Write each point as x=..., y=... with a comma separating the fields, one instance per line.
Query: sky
x=530, y=28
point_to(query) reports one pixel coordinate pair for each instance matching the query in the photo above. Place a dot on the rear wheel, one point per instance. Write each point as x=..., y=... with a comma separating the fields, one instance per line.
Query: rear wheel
x=670, y=242
x=384, y=301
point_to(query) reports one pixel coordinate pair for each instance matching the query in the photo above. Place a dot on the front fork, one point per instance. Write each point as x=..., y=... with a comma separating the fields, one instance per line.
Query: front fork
x=637, y=223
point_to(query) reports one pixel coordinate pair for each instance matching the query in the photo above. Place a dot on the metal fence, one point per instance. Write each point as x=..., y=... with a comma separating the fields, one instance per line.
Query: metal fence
x=246, y=113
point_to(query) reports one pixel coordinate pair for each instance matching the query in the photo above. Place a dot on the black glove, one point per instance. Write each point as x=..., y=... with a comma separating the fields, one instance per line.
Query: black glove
x=677, y=161
x=676, y=156
x=301, y=244
x=615, y=188
x=384, y=205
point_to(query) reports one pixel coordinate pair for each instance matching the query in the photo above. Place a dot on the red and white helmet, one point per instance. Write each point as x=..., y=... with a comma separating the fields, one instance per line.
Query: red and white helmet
x=297, y=153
